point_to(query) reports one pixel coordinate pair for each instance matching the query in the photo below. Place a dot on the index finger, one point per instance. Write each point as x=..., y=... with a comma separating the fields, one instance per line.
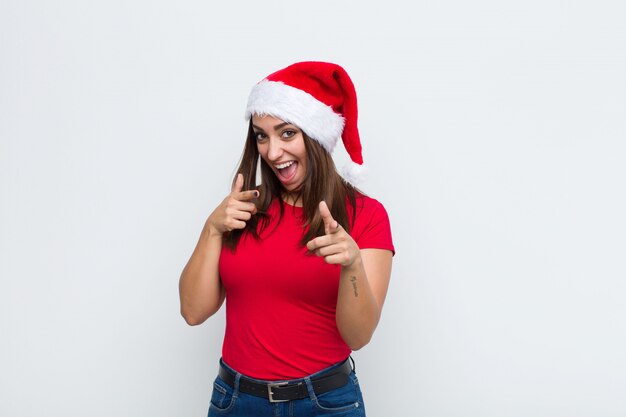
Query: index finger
x=246, y=195
x=242, y=195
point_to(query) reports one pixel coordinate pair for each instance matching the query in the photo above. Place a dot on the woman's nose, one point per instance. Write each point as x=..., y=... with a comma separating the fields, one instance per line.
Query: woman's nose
x=274, y=150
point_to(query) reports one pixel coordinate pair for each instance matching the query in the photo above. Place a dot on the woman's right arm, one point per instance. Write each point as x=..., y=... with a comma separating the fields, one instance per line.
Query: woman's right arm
x=201, y=291
x=200, y=287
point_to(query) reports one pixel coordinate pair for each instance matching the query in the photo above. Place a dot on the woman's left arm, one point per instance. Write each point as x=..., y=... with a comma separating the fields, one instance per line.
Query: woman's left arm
x=362, y=290
x=363, y=282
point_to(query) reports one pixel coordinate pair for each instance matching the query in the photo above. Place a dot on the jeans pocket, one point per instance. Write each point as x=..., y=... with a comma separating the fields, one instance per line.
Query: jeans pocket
x=222, y=397
x=345, y=399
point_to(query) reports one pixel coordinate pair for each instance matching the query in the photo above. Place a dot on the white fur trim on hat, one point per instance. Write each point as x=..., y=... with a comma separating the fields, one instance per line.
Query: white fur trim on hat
x=296, y=106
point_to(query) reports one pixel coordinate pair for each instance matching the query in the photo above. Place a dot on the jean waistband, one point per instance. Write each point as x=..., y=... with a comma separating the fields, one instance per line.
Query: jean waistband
x=278, y=391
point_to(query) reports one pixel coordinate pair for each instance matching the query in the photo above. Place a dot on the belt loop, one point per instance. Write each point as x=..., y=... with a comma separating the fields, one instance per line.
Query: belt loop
x=353, y=364
x=236, y=387
x=309, y=388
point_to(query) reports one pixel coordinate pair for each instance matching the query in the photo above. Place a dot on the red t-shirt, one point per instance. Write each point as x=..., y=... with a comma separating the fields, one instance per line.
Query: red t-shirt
x=280, y=302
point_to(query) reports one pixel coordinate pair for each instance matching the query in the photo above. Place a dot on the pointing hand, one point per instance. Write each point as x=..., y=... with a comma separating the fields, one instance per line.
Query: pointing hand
x=234, y=211
x=336, y=246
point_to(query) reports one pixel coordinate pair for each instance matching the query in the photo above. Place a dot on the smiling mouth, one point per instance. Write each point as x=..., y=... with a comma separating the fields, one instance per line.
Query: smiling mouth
x=286, y=170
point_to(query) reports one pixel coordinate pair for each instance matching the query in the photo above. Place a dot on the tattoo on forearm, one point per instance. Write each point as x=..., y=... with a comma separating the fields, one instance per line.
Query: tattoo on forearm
x=353, y=281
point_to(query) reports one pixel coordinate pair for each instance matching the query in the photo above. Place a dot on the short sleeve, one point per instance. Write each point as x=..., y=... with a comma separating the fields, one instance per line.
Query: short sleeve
x=371, y=228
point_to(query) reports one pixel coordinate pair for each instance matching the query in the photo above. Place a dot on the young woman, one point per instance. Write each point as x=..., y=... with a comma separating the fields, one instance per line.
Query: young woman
x=303, y=259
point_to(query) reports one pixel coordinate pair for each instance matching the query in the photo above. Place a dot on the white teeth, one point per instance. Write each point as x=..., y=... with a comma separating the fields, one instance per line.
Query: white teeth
x=284, y=165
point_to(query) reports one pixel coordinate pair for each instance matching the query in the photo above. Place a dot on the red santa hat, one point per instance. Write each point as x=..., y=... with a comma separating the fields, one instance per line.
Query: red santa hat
x=319, y=98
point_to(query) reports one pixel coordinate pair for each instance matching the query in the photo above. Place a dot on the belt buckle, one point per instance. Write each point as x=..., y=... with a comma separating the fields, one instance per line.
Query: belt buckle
x=270, y=394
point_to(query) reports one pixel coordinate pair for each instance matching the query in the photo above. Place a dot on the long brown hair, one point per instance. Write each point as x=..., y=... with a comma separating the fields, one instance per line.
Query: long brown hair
x=321, y=182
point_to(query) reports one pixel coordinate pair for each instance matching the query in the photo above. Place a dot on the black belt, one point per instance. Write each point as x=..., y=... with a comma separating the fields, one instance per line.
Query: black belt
x=289, y=390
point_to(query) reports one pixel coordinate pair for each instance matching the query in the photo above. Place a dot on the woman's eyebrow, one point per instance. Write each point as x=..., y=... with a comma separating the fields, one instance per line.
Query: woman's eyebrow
x=277, y=127
x=281, y=125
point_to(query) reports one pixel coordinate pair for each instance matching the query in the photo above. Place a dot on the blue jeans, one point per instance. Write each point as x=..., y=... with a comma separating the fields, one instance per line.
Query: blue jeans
x=346, y=401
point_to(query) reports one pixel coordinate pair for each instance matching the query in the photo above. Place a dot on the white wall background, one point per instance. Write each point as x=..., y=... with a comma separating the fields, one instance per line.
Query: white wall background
x=495, y=135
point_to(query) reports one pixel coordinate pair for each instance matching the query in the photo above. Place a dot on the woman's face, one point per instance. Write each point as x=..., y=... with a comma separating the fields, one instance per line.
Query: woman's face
x=281, y=146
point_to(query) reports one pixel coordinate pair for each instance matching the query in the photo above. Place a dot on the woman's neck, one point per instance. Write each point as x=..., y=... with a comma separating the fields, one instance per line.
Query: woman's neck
x=292, y=199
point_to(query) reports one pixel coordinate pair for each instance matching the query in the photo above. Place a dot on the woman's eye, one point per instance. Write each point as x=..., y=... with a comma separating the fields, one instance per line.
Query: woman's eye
x=260, y=136
x=288, y=133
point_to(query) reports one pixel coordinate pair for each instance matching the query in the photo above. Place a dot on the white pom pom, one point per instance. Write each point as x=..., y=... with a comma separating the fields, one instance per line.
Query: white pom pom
x=354, y=173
